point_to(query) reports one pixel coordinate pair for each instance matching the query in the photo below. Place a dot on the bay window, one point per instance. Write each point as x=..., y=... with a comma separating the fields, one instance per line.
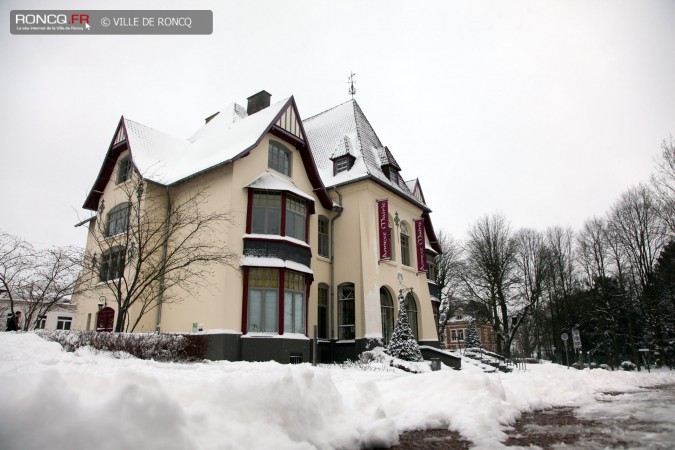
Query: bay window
x=278, y=213
x=263, y=300
x=269, y=287
x=296, y=217
x=266, y=214
x=294, y=302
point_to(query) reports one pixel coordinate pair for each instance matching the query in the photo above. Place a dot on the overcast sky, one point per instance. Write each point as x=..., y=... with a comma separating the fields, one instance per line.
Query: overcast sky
x=544, y=110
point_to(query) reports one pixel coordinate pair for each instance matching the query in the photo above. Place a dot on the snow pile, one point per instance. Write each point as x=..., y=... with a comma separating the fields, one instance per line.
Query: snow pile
x=85, y=399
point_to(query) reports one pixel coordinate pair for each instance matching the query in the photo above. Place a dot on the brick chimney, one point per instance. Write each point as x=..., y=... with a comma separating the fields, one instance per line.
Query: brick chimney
x=258, y=101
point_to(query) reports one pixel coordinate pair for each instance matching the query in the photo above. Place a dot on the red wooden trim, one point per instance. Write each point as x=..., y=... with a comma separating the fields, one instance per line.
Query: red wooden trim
x=287, y=136
x=244, y=303
x=306, y=223
x=282, y=231
x=282, y=278
x=273, y=239
x=308, y=283
x=249, y=211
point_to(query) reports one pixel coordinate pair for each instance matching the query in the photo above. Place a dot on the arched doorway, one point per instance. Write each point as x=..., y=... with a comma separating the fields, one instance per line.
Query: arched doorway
x=411, y=309
x=105, y=321
x=387, y=309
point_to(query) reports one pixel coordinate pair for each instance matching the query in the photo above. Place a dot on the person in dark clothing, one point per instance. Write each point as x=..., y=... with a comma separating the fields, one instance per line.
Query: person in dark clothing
x=12, y=323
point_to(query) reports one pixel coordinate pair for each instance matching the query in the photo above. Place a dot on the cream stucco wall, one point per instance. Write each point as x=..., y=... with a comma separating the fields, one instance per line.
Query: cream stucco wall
x=357, y=259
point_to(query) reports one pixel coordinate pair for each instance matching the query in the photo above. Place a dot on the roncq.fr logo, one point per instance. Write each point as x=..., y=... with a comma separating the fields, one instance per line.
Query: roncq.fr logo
x=51, y=19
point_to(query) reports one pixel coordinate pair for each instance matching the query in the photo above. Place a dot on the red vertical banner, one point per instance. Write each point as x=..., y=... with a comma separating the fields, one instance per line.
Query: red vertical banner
x=420, y=245
x=383, y=229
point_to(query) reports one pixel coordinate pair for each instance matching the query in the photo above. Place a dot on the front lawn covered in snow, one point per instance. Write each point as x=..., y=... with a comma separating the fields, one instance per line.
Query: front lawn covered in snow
x=82, y=400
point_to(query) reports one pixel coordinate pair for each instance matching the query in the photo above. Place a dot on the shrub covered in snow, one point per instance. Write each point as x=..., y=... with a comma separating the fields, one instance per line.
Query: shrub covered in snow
x=628, y=366
x=403, y=344
x=472, y=340
x=378, y=358
x=159, y=347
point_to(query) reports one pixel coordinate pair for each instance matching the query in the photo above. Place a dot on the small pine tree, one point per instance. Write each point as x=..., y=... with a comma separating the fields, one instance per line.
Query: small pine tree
x=403, y=344
x=472, y=339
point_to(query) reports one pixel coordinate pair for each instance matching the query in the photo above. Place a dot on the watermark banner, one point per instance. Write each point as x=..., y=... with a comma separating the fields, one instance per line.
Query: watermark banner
x=83, y=22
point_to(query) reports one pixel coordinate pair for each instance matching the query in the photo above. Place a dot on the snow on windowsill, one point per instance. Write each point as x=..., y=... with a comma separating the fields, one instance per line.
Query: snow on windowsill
x=216, y=331
x=261, y=261
x=297, y=336
x=277, y=237
x=346, y=341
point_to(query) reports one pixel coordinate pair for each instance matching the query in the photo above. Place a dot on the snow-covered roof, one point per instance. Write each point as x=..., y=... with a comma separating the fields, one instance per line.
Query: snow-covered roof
x=262, y=261
x=345, y=129
x=167, y=159
x=274, y=182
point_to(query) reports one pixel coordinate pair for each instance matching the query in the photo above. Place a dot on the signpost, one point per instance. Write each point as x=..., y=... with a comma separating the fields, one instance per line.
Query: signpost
x=564, y=337
x=576, y=339
x=645, y=357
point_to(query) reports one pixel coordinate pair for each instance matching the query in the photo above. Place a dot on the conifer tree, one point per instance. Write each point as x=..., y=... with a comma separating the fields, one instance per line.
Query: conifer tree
x=472, y=340
x=403, y=344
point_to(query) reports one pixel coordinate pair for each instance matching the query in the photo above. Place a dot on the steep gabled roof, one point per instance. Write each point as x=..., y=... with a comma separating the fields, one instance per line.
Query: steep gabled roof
x=343, y=127
x=228, y=136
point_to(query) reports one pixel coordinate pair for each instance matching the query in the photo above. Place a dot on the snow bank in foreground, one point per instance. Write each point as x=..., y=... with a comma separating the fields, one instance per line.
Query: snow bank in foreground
x=83, y=400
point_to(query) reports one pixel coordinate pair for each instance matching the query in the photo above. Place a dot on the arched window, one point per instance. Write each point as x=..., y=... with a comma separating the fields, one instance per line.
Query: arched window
x=322, y=316
x=118, y=219
x=387, y=309
x=405, y=245
x=411, y=308
x=279, y=158
x=346, y=311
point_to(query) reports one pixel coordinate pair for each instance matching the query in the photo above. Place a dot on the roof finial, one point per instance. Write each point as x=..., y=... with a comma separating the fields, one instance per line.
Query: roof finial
x=352, y=89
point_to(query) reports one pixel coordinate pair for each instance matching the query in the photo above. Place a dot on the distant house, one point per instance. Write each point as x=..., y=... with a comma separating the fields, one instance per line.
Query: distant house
x=455, y=333
x=327, y=231
x=60, y=316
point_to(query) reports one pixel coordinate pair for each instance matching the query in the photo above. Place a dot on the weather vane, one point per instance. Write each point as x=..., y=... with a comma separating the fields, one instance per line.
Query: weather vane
x=352, y=89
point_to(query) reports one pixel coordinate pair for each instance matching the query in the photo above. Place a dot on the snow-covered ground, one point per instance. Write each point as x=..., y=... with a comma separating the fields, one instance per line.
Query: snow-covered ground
x=83, y=400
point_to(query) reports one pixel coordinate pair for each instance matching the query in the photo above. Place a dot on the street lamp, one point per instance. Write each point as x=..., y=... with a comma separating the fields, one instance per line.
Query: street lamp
x=102, y=303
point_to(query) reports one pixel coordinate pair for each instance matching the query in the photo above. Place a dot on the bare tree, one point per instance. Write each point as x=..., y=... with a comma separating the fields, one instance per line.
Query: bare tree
x=488, y=275
x=663, y=182
x=448, y=278
x=637, y=225
x=157, y=247
x=39, y=278
x=595, y=256
x=16, y=261
x=52, y=281
x=532, y=273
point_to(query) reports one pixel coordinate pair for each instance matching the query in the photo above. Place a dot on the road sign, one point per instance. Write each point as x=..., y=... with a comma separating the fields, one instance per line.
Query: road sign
x=564, y=336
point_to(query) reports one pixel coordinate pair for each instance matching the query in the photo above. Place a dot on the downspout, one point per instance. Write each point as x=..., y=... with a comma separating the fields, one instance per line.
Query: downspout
x=165, y=245
x=331, y=313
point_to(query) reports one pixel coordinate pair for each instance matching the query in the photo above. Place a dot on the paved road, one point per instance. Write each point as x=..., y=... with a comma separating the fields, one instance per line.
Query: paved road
x=643, y=419
x=634, y=420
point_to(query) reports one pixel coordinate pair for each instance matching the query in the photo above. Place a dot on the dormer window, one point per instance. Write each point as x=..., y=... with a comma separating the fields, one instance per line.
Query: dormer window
x=341, y=164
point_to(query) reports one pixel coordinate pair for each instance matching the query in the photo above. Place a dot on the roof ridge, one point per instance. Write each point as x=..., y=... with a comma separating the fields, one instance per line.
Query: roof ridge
x=329, y=109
